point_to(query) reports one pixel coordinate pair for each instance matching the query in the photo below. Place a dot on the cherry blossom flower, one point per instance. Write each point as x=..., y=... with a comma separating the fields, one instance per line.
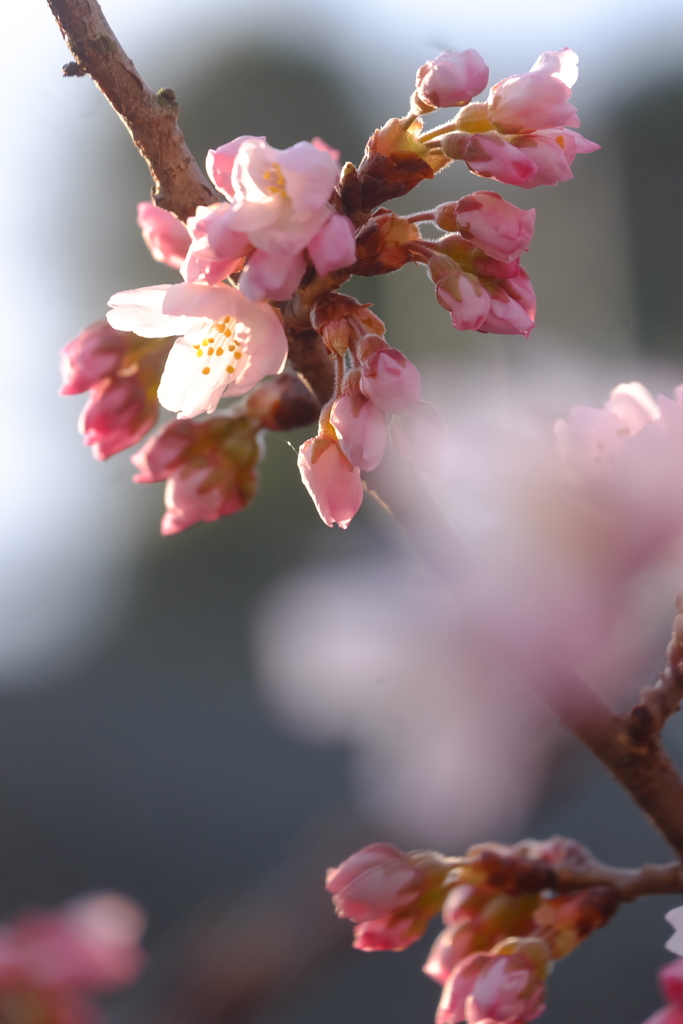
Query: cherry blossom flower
x=334, y=246
x=165, y=236
x=220, y=162
x=497, y=227
x=51, y=960
x=538, y=99
x=228, y=343
x=201, y=262
x=452, y=78
x=462, y=294
x=499, y=987
x=513, y=307
x=330, y=479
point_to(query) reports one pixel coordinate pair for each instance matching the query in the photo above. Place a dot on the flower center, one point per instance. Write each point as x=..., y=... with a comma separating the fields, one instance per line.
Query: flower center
x=275, y=181
x=221, y=350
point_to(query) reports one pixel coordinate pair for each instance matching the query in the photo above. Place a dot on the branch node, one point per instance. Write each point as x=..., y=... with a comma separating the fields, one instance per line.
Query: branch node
x=73, y=70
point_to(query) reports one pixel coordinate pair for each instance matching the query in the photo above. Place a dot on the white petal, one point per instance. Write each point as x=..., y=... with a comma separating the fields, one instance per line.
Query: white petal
x=202, y=302
x=184, y=387
x=140, y=311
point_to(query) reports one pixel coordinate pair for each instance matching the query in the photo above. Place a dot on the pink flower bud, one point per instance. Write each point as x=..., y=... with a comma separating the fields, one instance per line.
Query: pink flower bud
x=334, y=246
x=165, y=236
x=490, y=156
x=97, y=352
x=502, y=230
x=420, y=436
x=538, y=99
x=163, y=452
x=330, y=479
x=513, y=307
x=374, y=882
x=461, y=294
x=452, y=945
x=452, y=78
x=388, y=934
x=119, y=411
x=502, y=986
x=552, y=152
x=390, y=380
x=198, y=494
x=361, y=428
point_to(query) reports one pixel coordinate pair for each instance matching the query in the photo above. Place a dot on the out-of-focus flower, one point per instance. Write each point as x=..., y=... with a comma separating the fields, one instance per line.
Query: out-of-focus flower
x=390, y=380
x=228, y=343
x=462, y=294
x=208, y=466
x=497, y=227
x=97, y=352
x=390, y=894
x=505, y=985
x=50, y=961
x=675, y=943
x=330, y=479
x=552, y=153
x=490, y=156
x=671, y=980
x=165, y=236
x=361, y=428
x=538, y=99
x=452, y=78
x=420, y=436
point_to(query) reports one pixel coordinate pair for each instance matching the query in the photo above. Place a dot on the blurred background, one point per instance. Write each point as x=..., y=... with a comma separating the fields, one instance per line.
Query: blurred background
x=159, y=732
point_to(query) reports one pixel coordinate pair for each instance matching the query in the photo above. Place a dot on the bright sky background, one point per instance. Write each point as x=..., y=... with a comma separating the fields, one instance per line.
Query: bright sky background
x=63, y=540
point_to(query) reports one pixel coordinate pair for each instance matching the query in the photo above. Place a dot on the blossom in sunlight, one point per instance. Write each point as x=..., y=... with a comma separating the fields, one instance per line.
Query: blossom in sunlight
x=209, y=467
x=330, y=479
x=499, y=228
x=165, y=236
x=505, y=985
x=452, y=78
x=489, y=155
x=50, y=961
x=279, y=206
x=552, y=153
x=390, y=894
x=462, y=294
x=513, y=307
x=537, y=99
x=201, y=262
x=227, y=344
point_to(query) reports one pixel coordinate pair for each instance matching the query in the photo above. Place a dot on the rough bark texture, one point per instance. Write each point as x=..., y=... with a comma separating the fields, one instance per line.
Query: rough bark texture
x=151, y=119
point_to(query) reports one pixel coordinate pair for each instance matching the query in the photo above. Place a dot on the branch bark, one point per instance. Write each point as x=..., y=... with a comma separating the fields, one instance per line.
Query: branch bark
x=152, y=119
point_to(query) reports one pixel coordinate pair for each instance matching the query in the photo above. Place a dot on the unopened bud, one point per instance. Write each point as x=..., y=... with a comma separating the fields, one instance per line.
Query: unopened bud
x=282, y=403
x=340, y=319
x=383, y=244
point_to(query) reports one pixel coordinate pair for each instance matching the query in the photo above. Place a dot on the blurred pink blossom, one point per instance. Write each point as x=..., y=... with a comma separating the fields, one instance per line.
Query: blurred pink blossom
x=537, y=99
x=165, y=236
x=374, y=882
x=496, y=988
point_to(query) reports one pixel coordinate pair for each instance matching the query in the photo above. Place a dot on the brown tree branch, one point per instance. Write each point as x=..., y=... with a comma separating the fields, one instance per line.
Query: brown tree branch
x=663, y=699
x=151, y=119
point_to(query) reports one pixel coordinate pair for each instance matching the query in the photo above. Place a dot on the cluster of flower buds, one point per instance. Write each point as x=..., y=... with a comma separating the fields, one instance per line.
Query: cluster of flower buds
x=671, y=985
x=523, y=133
x=503, y=926
x=122, y=373
x=209, y=465
x=51, y=961
x=374, y=382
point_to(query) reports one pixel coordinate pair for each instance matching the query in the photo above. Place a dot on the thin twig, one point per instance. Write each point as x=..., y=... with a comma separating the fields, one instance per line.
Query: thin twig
x=657, y=703
x=151, y=119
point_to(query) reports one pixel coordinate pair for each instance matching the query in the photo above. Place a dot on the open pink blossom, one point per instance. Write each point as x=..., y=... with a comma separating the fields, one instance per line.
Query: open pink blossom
x=500, y=229
x=334, y=246
x=538, y=99
x=361, y=428
x=330, y=479
x=390, y=380
x=97, y=352
x=220, y=162
x=489, y=155
x=552, y=152
x=201, y=262
x=452, y=78
x=272, y=277
x=228, y=343
x=165, y=236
